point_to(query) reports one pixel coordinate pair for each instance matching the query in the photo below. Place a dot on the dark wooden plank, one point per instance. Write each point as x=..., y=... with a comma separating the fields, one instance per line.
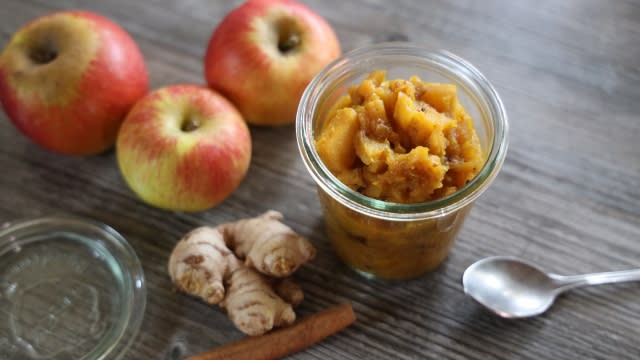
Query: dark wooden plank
x=567, y=198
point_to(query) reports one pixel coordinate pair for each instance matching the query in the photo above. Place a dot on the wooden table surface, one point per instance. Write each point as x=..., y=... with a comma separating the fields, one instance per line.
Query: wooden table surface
x=567, y=198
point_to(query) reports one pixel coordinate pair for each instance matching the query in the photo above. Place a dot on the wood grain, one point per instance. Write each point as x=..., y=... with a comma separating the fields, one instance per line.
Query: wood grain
x=567, y=198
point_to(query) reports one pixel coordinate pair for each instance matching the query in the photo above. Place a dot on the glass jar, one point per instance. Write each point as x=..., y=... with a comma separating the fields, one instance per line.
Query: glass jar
x=392, y=240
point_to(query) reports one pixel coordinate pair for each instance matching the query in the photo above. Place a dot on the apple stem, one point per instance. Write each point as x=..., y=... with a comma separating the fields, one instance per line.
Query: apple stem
x=190, y=124
x=288, y=42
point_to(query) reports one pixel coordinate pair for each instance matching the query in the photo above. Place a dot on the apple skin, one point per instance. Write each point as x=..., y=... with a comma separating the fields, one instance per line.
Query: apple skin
x=184, y=148
x=68, y=79
x=244, y=62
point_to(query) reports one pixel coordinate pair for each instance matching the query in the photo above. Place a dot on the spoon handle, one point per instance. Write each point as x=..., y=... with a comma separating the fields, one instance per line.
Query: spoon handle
x=569, y=282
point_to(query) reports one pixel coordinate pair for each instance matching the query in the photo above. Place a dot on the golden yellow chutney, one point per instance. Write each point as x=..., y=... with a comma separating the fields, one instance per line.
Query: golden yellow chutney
x=401, y=141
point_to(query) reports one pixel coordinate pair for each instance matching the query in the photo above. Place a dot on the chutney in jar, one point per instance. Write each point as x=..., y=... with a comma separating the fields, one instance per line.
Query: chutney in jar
x=398, y=141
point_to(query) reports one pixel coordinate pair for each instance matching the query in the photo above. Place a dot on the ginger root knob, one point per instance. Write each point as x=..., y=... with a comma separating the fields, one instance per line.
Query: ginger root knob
x=198, y=263
x=268, y=245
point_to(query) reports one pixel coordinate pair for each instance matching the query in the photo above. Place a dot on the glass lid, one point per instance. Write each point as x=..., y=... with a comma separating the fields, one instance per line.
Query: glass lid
x=70, y=288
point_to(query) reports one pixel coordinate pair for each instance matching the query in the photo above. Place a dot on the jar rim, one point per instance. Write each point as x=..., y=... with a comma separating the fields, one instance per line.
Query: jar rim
x=454, y=66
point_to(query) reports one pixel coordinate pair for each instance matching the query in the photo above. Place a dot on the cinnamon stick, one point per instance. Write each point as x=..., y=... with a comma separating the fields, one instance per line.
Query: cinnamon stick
x=285, y=341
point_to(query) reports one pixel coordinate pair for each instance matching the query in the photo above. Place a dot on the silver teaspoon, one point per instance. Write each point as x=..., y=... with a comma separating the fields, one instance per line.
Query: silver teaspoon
x=513, y=288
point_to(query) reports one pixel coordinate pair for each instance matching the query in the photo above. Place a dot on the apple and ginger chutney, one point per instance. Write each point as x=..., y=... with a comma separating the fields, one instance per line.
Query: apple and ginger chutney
x=402, y=141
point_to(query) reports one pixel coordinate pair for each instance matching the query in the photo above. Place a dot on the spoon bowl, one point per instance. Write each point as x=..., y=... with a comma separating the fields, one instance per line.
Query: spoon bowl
x=513, y=288
x=509, y=287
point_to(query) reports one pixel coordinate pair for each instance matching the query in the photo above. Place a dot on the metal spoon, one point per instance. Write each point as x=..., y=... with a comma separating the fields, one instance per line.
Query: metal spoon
x=513, y=288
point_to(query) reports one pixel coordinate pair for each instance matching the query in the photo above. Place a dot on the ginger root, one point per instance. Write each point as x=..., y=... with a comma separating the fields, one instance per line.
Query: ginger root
x=199, y=262
x=252, y=304
x=234, y=265
x=267, y=244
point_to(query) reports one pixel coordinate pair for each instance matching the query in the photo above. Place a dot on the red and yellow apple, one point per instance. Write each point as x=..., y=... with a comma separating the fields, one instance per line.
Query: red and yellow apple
x=264, y=53
x=68, y=79
x=183, y=147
